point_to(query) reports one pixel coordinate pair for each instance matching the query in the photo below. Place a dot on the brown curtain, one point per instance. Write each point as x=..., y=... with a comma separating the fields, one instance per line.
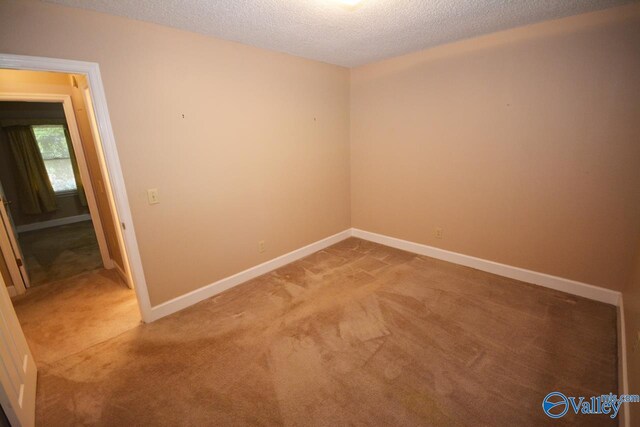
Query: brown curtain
x=76, y=172
x=34, y=187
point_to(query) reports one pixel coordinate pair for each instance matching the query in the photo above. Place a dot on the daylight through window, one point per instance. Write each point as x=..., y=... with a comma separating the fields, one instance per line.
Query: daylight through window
x=53, y=146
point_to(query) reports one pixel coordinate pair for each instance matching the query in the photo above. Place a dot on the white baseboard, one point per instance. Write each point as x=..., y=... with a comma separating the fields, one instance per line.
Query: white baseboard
x=624, y=419
x=548, y=281
x=215, y=288
x=52, y=223
x=553, y=282
x=12, y=291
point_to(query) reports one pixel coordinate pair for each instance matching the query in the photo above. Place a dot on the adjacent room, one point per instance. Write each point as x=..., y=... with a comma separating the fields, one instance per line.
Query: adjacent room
x=56, y=236
x=320, y=212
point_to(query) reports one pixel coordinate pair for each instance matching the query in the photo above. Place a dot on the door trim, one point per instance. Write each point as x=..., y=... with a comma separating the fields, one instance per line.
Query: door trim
x=76, y=142
x=113, y=171
x=7, y=251
x=93, y=125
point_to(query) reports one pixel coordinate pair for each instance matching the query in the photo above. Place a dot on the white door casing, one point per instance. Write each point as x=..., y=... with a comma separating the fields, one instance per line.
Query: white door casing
x=10, y=248
x=93, y=125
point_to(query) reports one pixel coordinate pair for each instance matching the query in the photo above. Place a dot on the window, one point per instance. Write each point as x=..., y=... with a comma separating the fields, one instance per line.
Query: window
x=53, y=146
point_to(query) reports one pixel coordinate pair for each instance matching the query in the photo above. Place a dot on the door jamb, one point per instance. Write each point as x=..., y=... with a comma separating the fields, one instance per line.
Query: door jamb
x=6, y=249
x=93, y=127
x=113, y=171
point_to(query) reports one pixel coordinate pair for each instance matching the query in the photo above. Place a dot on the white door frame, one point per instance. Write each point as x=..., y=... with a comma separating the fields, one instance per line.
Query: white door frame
x=7, y=251
x=93, y=125
x=76, y=142
x=113, y=171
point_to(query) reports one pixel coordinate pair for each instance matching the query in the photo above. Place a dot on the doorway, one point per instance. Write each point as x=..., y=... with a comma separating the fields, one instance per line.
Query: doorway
x=18, y=386
x=54, y=229
x=108, y=161
x=59, y=233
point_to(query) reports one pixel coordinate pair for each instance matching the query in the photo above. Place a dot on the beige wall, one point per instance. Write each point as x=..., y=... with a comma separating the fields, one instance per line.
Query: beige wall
x=631, y=299
x=522, y=145
x=262, y=152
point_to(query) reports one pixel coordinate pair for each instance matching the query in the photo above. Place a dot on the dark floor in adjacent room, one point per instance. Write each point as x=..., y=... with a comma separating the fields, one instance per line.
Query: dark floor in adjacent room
x=357, y=334
x=56, y=253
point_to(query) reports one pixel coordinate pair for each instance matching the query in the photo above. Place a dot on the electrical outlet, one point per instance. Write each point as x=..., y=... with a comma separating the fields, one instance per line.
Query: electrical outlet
x=152, y=196
x=438, y=233
x=261, y=246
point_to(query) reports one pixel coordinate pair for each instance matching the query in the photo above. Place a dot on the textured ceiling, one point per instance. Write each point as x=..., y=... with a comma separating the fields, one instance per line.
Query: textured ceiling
x=327, y=31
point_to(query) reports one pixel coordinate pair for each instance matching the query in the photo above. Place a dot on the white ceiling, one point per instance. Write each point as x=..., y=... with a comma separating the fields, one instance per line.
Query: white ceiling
x=326, y=31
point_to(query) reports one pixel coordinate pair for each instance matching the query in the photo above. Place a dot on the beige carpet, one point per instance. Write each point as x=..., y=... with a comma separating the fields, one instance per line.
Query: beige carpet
x=71, y=315
x=357, y=334
x=59, y=252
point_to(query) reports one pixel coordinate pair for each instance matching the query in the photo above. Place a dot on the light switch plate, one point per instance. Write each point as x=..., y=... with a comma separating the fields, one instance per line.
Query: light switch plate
x=152, y=196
